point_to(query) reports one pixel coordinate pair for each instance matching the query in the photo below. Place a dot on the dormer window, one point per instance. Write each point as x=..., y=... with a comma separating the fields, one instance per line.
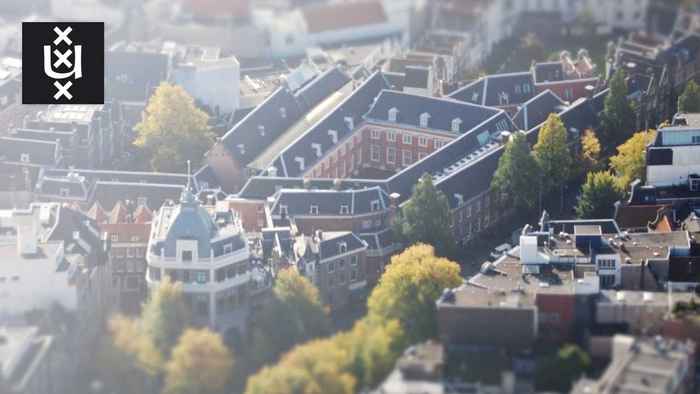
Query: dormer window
x=334, y=136
x=283, y=210
x=374, y=206
x=350, y=122
x=475, y=97
x=64, y=192
x=344, y=210
x=283, y=113
x=313, y=210
x=228, y=248
x=503, y=98
x=24, y=158
x=300, y=160
x=141, y=201
x=261, y=130
x=393, y=115
x=342, y=247
x=456, y=124
x=241, y=148
x=424, y=119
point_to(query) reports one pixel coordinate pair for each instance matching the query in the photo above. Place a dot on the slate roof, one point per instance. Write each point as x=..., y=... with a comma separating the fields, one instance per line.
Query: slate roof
x=109, y=193
x=206, y=176
x=77, y=186
x=330, y=244
x=549, y=72
x=40, y=152
x=355, y=105
x=132, y=75
x=537, y=109
x=442, y=111
x=416, y=77
x=65, y=137
x=452, y=157
x=329, y=202
x=520, y=87
x=69, y=222
x=123, y=176
x=261, y=187
x=245, y=140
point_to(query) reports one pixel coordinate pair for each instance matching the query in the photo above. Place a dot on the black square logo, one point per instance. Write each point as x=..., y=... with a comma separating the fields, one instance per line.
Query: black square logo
x=63, y=62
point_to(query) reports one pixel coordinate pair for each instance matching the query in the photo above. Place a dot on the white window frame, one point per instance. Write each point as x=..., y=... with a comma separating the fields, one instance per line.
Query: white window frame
x=24, y=157
x=313, y=210
x=375, y=206
x=342, y=247
x=374, y=153
x=391, y=136
x=423, y=141
x=344, y=210
x=406, y=157
x=375, y=134
x=407, y=139
x=391, y=155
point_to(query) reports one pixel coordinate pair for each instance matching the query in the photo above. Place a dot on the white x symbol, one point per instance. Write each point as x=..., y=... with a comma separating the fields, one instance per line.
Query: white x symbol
x=62, y=90
x=62, y=35
x=62, y=58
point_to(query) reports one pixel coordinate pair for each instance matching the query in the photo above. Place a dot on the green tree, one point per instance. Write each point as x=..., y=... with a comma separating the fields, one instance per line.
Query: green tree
x=409, y=288
x=173, y=130
x=426, y=218
x=200, y=364
x=295, y=315
x=512, y=181
x=150, y=338
x=598, y=196
x=552, y=154
x=315, y=367
x=630, y=162
x=618, y=118
x=590, y=152
x=689, y=101
x=570, y=363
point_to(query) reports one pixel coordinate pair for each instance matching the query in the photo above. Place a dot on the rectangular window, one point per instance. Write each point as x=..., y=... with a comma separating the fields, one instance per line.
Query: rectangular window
x=374, y=153
x=391, y=155
x=342, y=248
x=313, y=210
x=375, y=205
x=115, y=237
x=437, y=144
x=406, y=157
x=344, y=209
x=331, y=266
x=375, y=134
x=391, y=136
x=696, y=139
x=24, y=158
x=228, y=248
x=353, y=260
x=283, y=210
x=64, y=192
x=129, y=252
x=186, y=255
x=422, y=141
x=407, y=139
x=353, y=275
x=202, y=277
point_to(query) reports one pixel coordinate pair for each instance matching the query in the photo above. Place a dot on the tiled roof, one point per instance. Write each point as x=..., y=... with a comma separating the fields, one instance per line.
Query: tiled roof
x=442, y=111
x=354, y=106
x=343, y=15
x=537, y=109
x=498, y=89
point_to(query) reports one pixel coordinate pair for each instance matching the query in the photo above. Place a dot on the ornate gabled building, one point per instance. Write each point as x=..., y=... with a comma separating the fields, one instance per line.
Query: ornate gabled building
x=207, y=251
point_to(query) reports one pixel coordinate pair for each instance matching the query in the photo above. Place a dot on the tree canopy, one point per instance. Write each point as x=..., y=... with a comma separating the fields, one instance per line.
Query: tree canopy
x=295, y=315
x=630, y=162
x=409, y=287
x=618, y=120
x=598, y=196
x=512, y=181
x=173, y=130
x=552, y=154
x=200, y=364
x=426, y=218
x=689, y=100
x=590, y=151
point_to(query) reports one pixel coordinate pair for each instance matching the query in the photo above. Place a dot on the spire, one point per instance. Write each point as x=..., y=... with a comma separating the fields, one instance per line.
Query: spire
x=187, y=196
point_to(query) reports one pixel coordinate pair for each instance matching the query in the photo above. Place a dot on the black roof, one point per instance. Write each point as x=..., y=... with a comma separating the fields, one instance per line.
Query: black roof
x=261, y=187
x=132, y=76
x=519, y=88
x=70, y=223
x=354, y=106
x=452, y=156
x=76, y=185
x=205, y=176
x=331, y=247
x=65, y=137
x=329, y=202
x=40, y=152
x=123, y=176
x=442, y=111
x=109, y=193
x=537, y=109
x=282, y=109
x=417, y=77
x=549, y=72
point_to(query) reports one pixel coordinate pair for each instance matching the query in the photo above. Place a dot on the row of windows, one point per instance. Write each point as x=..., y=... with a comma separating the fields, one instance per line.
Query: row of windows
x=231, y=271
x=340, y=264
x=406, y=139
x=127, y=252
x=341, y=278
x=180, y=275
x=129, y=266
x=375, y=152
x=606, y=263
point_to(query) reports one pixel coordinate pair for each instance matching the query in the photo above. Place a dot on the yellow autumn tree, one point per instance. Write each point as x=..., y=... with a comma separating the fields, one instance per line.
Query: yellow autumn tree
x=630, y=162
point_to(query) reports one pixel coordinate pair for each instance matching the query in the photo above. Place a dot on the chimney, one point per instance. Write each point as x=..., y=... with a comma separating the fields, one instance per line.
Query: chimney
x=394, y=199
x=27, y=222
